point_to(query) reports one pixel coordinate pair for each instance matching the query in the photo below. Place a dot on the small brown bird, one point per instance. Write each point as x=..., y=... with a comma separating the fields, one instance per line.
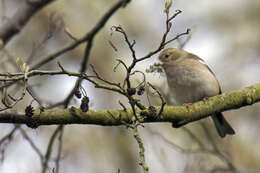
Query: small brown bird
x=190, y=80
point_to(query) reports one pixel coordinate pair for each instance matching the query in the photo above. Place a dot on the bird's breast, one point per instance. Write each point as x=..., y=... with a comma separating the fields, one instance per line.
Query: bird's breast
x=188, y=85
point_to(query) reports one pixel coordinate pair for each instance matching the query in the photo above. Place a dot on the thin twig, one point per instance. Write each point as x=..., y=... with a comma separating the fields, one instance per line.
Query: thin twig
x=57, y=160
x=103, y=80
x=165, y=34
x=161, y=97
x=177, y=36
x=68, y=32
x=15, y=100
x=21, y=17
x=88, y=36
x=122, y=105
x=49, y=149
x=130, y=45
x=33, y=95
x=8, y=137
x=184, y=43
x=194, y=137
x=35, y=148
x=112, y=45
x=144, y=77
x=217, y=150
x=88, y=78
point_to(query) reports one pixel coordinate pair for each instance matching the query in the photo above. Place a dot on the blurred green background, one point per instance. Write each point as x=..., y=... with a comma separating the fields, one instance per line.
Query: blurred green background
x=226, y=34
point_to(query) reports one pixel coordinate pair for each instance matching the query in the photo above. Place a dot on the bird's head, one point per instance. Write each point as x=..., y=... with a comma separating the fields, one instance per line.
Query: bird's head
x=171, y=55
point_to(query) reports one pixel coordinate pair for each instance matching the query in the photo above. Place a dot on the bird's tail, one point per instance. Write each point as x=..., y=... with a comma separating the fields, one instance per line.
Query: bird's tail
x=222, y=126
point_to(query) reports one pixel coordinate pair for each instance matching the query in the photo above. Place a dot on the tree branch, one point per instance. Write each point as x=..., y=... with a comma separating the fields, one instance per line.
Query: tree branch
x=13, y=25
x=178, y=115
x=88, y=36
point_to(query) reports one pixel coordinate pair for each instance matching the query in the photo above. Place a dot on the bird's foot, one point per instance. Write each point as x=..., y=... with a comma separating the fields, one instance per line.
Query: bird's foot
x=205, y=99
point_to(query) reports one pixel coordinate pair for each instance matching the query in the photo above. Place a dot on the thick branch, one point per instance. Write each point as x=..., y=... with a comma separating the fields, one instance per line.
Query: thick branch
x=179, y=115
x=26, y=10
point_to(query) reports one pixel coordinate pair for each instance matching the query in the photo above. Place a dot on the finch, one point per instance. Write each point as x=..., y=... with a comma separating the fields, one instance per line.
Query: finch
x=190, y=80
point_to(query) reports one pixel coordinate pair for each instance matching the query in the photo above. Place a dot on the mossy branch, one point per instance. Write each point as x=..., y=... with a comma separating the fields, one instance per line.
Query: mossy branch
x=178, y=115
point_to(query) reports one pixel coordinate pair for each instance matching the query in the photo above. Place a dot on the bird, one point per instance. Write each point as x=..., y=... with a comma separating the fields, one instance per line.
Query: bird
x=190, y=80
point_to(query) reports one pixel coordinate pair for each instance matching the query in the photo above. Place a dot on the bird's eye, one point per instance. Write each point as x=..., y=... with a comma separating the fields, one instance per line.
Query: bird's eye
x=166, y=56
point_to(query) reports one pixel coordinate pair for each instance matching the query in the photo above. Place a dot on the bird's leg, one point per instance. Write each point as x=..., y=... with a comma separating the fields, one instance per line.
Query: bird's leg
x=205, y=99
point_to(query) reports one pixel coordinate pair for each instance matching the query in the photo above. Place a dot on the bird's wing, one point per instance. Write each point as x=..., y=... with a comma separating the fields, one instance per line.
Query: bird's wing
x=195, y=57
